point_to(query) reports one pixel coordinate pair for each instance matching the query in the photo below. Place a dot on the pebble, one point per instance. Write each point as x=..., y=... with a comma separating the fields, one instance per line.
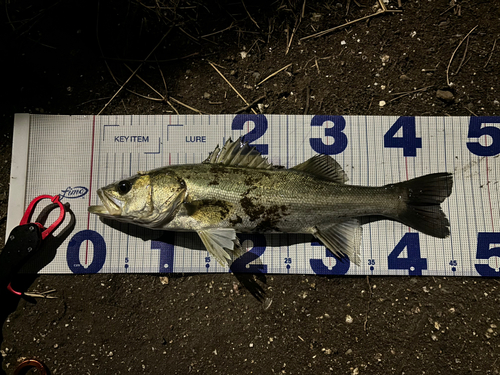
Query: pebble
x=382, y=103
x=445, y=95
x=349, y=319
x=206, y=95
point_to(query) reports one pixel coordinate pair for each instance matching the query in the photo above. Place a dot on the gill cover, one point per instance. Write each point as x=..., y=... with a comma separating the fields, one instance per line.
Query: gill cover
x=150, y=200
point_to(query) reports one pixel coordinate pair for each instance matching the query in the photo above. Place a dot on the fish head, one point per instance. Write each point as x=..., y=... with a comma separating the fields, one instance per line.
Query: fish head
x=149, y=200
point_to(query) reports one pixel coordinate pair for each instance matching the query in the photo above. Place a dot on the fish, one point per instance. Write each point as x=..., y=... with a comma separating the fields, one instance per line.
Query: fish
x=237, y=190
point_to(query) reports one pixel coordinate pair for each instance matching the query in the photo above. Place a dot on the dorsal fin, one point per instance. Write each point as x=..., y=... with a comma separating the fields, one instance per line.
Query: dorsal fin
x=325, y=167
x=238, y=154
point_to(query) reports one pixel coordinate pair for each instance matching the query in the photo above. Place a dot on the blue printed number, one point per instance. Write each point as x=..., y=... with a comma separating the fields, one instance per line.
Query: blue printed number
x=260, y=127
x=409, y=141
x=476, y=131
x=166, y=255
x=484, y=240
x=414, y=263
x=242, y=264
x=339, y=139
x=73, y=253
x=340, y=268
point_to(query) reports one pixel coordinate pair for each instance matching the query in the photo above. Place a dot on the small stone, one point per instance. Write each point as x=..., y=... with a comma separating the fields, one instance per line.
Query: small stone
x=316, y=17
x=251, y=345
x=349, y=319
x=206, y=95
x=243, y=54
x=385, y=59
x=382, y=103
x=445, y=95
x=164, y=280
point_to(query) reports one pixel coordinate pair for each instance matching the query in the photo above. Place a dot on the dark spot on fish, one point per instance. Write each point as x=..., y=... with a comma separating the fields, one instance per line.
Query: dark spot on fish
x=251, y=209
x=212, y=210
x=267, y=219
x=267, y=225
x=214, y=182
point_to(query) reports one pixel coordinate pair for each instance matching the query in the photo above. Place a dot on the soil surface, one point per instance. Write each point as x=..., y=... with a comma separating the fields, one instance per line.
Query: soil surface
x=63, y=57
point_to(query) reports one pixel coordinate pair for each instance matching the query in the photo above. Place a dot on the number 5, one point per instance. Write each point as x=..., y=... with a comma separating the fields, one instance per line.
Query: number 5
x=476, y=131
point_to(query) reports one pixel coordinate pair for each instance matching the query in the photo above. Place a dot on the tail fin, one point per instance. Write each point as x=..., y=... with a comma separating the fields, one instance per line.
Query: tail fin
x=423, y=196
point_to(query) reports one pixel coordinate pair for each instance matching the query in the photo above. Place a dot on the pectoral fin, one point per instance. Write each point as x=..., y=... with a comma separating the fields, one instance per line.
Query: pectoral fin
x=222, y=244
x=342, y=239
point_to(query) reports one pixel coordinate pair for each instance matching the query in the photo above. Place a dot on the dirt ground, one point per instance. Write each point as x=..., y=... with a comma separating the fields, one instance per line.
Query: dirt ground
x=61, y=57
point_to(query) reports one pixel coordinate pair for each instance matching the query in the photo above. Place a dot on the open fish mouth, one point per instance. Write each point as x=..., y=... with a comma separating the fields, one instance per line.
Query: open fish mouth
x=110, y=205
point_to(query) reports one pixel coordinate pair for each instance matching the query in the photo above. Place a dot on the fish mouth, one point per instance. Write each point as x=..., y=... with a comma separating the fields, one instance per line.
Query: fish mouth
x=110, y=205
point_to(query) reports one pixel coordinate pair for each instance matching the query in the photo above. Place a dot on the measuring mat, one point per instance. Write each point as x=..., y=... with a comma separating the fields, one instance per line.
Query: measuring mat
x=73, y=156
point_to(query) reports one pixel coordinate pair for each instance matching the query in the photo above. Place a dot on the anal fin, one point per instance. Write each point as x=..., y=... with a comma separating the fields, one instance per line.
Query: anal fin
x=342, y=239
x=222, y=244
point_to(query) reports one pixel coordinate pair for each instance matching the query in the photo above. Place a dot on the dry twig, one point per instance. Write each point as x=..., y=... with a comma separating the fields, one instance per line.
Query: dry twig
x=229, y=83
x=491, y=53
x=295, y=28
x=369, y=303
x=378, y=13
x=135, y=71
x=463, y=57
x=249, y=15
x=246, y=108
x=402, y=94
x=162, y=97
x=273, y=74
x=453, y=55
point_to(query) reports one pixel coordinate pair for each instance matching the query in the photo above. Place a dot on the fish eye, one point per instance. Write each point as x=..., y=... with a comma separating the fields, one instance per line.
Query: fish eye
x=124, y=186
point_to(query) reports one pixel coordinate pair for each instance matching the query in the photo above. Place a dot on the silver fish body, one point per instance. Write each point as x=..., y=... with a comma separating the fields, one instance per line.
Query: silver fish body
x=237, y=191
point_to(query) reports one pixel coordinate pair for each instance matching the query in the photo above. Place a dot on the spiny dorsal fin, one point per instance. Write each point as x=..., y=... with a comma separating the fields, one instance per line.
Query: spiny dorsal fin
x=325, y=167
x=238, y=154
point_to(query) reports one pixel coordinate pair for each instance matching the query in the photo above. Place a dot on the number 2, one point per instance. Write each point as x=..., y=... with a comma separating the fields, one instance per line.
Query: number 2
x=260, y=127
x=242, y=264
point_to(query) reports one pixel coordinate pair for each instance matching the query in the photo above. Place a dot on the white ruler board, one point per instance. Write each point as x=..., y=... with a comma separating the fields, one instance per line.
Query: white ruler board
x=74, y=155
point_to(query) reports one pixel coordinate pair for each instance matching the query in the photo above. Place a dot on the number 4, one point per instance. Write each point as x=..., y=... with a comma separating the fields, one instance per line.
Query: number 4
x=409, y=141
x=414, y=263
